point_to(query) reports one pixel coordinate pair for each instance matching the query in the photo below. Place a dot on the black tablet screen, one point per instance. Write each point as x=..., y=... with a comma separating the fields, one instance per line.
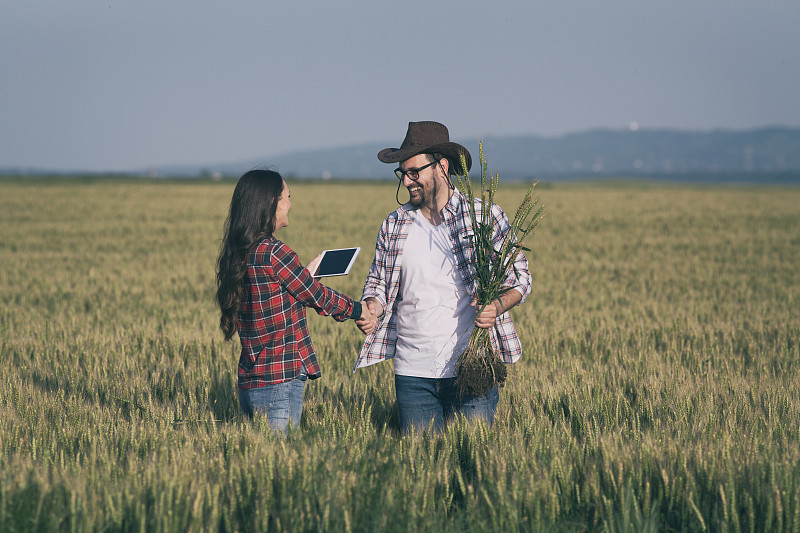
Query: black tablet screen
x=335, y=262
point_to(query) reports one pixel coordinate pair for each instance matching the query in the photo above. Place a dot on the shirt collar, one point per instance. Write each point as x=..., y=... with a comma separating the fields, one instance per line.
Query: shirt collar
x=453, y=204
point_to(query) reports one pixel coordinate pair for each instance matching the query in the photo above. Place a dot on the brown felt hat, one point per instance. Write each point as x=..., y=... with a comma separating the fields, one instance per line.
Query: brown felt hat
x=427, y=137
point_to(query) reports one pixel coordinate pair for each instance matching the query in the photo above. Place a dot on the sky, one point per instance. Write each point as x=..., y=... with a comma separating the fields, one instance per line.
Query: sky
x=125, y=85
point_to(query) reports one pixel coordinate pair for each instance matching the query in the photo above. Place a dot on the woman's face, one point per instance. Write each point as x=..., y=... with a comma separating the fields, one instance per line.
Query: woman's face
x=282, y=211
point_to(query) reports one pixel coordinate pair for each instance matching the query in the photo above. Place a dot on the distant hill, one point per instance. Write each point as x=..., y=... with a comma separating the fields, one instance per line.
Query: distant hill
x=766, y=154
x=647, y=153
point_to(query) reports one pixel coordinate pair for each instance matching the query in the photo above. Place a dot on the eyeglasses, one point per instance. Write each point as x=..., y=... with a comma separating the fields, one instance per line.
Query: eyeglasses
x=412, y=173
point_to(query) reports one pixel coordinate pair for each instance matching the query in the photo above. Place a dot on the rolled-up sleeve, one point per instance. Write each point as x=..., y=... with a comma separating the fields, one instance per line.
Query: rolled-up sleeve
x=519, y=277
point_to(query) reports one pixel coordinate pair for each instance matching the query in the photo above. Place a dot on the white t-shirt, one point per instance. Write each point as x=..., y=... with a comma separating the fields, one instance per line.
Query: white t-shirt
x=434, y=318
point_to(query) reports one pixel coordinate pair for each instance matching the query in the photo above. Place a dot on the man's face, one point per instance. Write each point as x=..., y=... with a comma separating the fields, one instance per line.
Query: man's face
x=424, y=190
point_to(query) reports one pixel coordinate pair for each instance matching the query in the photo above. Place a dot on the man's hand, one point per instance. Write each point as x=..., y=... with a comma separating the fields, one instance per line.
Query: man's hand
x=371, y=309
x=496, y=308
x=488, y=316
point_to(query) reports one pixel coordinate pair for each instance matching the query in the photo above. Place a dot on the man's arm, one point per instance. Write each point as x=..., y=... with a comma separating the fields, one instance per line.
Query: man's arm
x=375, y=285
x=518, y=279
x=519, y=276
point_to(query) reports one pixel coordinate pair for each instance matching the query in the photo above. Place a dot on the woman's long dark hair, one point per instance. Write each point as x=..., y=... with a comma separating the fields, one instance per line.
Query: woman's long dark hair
x=251, y=219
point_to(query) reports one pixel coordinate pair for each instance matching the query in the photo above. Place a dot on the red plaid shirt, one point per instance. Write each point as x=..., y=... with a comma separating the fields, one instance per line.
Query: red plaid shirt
x=272, y=320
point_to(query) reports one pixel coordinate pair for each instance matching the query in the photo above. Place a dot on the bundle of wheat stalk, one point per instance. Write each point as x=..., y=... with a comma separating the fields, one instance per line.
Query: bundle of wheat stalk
x=479, y=368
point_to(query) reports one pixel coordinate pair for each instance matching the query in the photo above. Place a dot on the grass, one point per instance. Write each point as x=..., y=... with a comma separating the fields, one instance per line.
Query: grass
x=658, y=390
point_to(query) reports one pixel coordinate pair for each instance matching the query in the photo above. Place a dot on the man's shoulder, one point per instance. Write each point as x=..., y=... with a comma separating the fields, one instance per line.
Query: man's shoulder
x=496, y=209
x=461, y=208
x=460, y=202
x=400, y=213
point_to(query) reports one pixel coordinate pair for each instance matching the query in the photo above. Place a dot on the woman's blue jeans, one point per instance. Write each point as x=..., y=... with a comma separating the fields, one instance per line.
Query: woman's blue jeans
x=281, y=403
x=420, y=400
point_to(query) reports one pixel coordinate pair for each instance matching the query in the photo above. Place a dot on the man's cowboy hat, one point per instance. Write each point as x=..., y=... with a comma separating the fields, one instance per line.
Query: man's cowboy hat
x=427, y=138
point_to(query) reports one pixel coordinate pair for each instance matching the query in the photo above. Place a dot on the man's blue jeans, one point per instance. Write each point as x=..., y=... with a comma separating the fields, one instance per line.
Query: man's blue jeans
x=420, y=400
x=282, y=403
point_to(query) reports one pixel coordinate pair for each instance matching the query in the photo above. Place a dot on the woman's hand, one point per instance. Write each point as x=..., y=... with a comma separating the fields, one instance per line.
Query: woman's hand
x=313, y=265
x=371, y=309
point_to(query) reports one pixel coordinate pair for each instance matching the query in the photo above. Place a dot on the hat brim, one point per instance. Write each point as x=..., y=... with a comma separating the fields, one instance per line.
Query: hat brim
x=451, y=150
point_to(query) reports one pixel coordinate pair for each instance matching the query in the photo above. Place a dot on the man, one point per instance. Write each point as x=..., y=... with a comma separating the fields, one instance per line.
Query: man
x=421, y=285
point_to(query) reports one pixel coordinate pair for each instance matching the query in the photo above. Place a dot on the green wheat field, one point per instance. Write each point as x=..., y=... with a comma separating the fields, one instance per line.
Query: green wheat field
x=659, y=388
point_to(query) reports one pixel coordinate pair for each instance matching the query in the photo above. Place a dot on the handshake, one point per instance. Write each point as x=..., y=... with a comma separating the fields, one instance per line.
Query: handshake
x=371, y=310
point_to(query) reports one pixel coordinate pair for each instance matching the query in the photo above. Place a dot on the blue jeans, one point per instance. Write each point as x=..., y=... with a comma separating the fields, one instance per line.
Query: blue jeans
x=281, y=403
x=420, y=400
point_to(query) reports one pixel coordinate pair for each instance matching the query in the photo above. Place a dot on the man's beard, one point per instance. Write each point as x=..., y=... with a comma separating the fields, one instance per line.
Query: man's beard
x=426, y=197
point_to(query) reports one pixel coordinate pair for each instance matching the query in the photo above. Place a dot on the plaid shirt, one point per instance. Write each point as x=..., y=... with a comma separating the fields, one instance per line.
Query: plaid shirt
x=383, y=280
x=272, y=320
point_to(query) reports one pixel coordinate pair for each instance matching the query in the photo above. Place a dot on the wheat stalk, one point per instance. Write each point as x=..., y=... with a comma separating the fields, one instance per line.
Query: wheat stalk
x=479, y=368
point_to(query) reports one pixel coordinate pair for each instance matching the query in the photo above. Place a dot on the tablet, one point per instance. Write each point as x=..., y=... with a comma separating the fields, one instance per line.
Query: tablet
x=337, y=262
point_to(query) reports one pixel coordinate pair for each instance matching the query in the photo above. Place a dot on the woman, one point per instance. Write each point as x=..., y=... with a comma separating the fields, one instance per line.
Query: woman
x=262, y=292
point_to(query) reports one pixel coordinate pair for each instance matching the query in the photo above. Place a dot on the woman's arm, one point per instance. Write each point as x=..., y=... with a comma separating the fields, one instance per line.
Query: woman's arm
x=298, y=282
